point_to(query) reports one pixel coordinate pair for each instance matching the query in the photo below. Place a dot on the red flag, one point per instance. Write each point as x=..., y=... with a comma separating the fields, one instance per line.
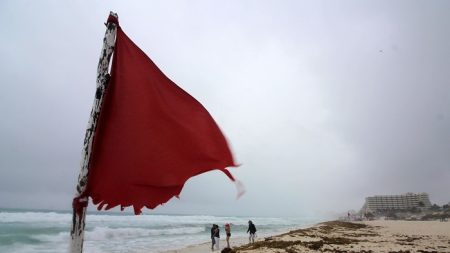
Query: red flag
x=151, y=136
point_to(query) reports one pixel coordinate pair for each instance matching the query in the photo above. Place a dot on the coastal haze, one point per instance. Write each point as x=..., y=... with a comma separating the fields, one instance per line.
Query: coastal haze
x=323, y=103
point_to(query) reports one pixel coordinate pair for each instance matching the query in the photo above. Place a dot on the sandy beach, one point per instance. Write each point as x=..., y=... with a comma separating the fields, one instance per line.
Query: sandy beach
x=206, y=247
x=338, y=236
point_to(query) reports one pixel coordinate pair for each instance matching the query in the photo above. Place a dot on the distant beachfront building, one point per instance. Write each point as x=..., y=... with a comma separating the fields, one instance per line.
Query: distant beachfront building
x=396, y=202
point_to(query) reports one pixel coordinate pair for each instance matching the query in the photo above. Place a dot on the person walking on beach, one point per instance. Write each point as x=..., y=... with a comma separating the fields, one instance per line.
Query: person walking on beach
x=216, y=236
x=252, y=230
x=228, y=232
x=212, y=236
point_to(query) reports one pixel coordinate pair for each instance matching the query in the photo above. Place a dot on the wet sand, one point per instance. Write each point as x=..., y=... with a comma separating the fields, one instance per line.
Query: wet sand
x=206, y=247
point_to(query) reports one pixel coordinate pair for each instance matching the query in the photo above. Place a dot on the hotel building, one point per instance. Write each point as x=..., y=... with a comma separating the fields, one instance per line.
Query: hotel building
x=396, y=202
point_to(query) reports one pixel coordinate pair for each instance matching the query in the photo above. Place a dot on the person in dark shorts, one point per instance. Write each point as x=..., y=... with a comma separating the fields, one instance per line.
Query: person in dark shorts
x=228, y=232
x=216, y=236
x=252, y=230
x=213, y=228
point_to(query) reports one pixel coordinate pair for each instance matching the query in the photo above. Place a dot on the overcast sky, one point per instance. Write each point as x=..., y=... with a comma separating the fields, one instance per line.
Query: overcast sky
x=323, y=102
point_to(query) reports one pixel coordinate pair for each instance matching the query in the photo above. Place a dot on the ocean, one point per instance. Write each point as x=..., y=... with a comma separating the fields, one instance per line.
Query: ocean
x=48, y=231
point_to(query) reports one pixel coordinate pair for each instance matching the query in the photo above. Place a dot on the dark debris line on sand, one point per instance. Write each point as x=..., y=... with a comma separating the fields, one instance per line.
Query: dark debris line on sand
x=291, y=246
x=344, y=237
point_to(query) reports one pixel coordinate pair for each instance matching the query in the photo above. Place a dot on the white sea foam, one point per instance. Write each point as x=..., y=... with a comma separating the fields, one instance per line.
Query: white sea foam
x=30, y=217
x=106, y=233
x=155, y=220
x=59, y=237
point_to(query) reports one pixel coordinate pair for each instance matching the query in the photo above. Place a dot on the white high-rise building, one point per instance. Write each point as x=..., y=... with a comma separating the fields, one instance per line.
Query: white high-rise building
x=396, y=202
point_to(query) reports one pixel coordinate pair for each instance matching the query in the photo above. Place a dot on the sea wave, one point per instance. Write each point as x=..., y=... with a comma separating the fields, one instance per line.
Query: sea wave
x=153, y=219
x=39, y=231
x=34, y=217
x=107, y=233
x=59, y=237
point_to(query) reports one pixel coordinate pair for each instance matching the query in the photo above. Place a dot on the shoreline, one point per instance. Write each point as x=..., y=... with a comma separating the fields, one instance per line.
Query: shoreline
x=235, y=242
x=339, y=236
x=206, y=246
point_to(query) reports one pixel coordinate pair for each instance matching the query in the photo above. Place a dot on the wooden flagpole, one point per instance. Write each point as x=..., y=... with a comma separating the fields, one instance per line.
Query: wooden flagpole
x=80, y=201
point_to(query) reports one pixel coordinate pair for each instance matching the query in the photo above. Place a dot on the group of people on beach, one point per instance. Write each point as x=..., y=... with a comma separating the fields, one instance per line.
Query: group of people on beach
x=215, y=234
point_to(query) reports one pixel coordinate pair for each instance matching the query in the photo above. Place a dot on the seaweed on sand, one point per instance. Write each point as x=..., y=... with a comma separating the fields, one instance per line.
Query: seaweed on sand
x=344, y=224
x=314, y=245
x=293, y=245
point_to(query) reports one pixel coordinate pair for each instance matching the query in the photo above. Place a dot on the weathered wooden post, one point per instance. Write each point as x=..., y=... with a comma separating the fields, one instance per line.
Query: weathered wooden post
x=80, y=201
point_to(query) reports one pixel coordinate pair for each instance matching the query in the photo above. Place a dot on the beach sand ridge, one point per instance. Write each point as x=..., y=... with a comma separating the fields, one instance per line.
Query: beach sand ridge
x=349, y=237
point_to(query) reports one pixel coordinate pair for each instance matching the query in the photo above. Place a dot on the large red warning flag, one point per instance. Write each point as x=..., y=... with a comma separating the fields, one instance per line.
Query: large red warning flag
x=151, y=136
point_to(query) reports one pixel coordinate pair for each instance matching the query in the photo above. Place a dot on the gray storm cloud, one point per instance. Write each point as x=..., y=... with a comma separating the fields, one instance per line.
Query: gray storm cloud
x=324, y=103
